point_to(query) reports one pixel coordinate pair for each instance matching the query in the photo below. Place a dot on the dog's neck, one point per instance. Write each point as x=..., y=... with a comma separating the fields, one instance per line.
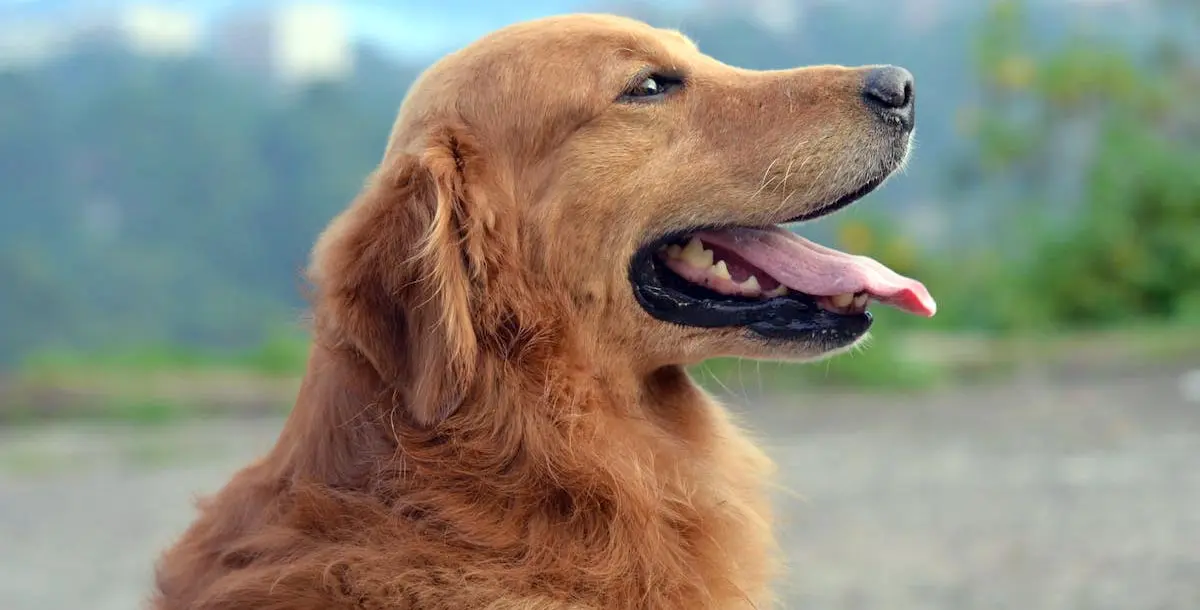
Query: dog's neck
x=347, y=421
x=588, y=468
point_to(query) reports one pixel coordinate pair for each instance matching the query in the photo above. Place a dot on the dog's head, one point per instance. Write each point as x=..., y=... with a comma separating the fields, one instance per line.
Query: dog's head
x=595, y=177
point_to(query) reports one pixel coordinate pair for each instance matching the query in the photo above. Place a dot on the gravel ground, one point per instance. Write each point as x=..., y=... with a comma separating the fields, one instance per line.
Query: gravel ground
x=1069, y=496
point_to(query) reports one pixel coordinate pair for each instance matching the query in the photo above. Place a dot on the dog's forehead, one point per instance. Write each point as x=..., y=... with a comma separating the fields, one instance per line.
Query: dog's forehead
x=578, y=38
x=679, y=40
x=541, y=73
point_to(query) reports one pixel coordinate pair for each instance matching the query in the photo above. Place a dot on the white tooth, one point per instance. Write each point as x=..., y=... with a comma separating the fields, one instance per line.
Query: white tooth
x=695, y=254
x=842, y=300
x=674, y=251
x=778, y=292
x=721, y=270
x=750, y=286
x=860, y=300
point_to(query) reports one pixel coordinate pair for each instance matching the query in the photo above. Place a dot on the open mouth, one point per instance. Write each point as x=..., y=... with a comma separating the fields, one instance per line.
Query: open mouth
x=770, y=281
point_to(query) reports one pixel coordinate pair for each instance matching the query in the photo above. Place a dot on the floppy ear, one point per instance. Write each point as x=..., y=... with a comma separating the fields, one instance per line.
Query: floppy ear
x=393, y=282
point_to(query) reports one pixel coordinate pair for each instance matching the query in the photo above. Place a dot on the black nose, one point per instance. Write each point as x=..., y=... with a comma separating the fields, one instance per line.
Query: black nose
x=888, y=90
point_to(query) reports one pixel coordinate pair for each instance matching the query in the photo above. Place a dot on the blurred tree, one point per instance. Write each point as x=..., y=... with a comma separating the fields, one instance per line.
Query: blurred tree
x=1098, y=146
x=169, y=201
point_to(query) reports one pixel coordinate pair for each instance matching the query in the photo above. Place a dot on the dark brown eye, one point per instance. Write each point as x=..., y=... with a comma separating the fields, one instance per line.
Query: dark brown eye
x=651, y=88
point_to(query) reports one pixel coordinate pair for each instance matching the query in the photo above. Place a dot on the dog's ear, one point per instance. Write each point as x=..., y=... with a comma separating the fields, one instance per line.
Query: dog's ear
x=394, y=275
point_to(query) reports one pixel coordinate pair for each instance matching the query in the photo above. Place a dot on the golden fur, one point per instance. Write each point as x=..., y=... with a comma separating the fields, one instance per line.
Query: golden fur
x=488, y=419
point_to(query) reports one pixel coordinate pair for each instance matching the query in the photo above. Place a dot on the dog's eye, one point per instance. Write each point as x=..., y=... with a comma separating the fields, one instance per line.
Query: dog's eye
x=650, y=88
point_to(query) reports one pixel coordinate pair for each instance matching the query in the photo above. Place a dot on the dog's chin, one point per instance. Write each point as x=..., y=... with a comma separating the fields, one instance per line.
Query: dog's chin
x=754, y=347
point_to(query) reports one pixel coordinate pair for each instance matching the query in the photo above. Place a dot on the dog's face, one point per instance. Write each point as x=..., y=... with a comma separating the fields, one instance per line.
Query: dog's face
x=652, y=154
x=611, y=173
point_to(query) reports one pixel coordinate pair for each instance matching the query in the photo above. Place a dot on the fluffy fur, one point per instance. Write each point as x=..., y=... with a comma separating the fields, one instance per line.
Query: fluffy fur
x=488, y=420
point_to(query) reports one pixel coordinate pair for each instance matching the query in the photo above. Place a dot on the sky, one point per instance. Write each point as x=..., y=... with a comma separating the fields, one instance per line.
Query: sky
x=411, y=29
x=408, y=28
x=425, y=27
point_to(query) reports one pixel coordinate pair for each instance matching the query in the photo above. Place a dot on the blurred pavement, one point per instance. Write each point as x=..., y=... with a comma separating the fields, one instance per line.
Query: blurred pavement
x=1083, y=495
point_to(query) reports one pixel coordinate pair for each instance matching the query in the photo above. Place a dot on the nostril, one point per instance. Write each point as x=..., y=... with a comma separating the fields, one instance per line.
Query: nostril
x=889, y=87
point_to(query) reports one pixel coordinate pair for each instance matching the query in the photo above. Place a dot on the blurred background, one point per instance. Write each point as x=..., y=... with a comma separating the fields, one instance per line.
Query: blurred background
x=165, y=167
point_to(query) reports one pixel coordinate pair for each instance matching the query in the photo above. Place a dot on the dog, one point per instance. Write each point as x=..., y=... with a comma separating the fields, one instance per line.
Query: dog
x=496, y=412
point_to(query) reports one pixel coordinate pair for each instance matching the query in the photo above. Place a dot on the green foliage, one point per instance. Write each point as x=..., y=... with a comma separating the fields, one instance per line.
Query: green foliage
x=1136, y=253
x=143, y=411
x=1091, y=238
x=145, y=359
x=278, y=354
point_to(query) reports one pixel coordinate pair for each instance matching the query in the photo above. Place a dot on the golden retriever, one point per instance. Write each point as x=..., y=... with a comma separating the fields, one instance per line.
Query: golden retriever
x=496, y=412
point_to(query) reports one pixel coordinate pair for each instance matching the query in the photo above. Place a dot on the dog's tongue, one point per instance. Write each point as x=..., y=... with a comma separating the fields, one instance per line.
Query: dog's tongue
x=813, y=269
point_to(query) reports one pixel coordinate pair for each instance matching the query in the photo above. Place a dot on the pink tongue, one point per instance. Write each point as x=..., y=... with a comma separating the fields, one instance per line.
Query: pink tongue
x=814, y=269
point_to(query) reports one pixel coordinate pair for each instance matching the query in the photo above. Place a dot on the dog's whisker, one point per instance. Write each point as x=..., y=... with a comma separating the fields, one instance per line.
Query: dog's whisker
x=765, y=177
x=792, y=159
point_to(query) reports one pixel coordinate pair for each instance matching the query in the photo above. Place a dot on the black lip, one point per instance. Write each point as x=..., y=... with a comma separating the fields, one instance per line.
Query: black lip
x=670, y=298
x=842, y=202
x=792, y=317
